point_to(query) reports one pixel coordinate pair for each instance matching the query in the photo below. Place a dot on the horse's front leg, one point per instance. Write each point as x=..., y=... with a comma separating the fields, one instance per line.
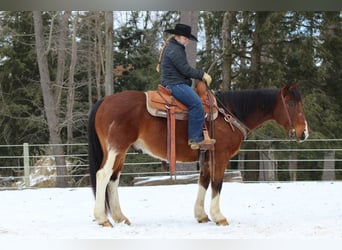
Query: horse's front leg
x=215, y=212
x=203, y=184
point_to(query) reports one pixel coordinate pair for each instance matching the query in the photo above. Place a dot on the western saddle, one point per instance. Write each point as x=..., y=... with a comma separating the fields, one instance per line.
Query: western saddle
x=161, y=103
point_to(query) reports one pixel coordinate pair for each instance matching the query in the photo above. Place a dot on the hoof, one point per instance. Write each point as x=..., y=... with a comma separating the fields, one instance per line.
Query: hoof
x=204, y=220
x=127, y=222
x=223, y=222
x=124, y=220
x=106, y=224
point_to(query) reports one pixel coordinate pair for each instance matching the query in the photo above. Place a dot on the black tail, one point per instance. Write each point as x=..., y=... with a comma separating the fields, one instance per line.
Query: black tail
x=95, y=154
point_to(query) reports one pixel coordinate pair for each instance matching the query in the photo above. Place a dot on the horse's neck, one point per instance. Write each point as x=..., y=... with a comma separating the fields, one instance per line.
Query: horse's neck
x=258, y=119
x=262, y=111
x=251, y=107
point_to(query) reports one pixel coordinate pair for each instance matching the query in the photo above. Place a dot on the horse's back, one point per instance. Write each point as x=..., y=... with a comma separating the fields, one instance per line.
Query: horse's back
x=122, y=102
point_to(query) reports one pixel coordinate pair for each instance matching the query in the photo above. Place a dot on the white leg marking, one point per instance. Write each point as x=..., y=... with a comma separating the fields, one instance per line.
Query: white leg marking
x=102, y=179
x=200, y=213
x=306, y=131
x=114, y=202
x=215, y=212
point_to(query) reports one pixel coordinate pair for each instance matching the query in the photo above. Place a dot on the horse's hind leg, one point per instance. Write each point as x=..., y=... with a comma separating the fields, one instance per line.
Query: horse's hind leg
x=113, y=198
x=102, y=178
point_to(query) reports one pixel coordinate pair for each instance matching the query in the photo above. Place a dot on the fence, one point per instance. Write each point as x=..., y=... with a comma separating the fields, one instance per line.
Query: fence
x=27, y=166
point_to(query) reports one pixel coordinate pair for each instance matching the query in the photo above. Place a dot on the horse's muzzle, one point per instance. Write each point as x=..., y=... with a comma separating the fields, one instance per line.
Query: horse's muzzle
x=304, y=136
x=301, y=138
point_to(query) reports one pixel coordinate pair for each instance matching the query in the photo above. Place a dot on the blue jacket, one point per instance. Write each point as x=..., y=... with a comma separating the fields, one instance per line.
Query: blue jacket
x=175, y=67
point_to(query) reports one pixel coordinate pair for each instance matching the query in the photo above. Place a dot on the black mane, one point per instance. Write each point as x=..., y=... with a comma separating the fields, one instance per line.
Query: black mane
x=243, y=103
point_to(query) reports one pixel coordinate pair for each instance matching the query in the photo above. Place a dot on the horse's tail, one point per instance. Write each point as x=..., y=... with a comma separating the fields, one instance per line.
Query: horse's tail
x=95, y=154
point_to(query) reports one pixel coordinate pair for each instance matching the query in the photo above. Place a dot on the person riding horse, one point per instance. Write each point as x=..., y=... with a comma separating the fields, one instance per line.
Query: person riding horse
x=176, y=74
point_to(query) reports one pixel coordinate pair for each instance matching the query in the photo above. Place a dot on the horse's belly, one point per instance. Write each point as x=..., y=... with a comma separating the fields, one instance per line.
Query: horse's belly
x=141, y=145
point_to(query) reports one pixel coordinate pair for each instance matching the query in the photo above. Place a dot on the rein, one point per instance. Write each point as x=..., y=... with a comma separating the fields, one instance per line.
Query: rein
x=233, y=121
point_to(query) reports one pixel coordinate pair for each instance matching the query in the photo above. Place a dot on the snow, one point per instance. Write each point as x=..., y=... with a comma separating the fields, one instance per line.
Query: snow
x=291, y=210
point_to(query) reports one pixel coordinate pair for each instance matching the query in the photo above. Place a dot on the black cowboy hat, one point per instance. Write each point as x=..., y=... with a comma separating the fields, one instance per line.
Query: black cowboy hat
x=182, y=30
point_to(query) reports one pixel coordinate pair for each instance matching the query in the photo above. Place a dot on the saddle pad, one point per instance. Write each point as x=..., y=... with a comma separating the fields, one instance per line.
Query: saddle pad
x=157, y=104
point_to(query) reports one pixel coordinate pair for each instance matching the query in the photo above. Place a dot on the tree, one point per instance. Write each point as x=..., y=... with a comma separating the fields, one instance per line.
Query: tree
x=331, y=62
x=109, y=53
x=71, y=85
x=240, y=49
x=20, y=95
x=227, y=55
x=137, y=52
x=211, y=54
x=191, y=18
x=49, y=104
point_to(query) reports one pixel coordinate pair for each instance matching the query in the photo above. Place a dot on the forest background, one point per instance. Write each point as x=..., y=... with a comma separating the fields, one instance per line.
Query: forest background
x=54, y=65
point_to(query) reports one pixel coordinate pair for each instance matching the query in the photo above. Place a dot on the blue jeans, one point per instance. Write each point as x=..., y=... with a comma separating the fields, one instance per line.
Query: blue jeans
x=185, y=94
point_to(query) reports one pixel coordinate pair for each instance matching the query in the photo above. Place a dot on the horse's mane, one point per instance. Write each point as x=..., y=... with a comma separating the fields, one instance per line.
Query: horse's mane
x=243, y=103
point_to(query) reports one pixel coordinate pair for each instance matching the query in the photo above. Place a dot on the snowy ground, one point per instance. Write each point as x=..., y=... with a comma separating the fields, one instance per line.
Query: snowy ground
x=299, y=210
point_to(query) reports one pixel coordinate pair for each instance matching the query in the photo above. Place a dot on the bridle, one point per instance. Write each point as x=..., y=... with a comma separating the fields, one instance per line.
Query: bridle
x=292, y=131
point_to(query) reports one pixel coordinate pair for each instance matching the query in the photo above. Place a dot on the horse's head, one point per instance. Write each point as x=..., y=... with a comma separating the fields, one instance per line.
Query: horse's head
x=290, y=114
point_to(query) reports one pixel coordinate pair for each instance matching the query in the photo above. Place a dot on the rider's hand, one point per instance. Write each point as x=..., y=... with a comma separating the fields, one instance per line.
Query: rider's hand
x=206, y=78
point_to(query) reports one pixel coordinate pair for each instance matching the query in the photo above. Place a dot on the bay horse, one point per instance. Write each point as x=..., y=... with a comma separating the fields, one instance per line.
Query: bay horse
x=120, y=121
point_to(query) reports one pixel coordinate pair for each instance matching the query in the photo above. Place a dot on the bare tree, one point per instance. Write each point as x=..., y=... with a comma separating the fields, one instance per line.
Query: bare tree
x=71, y=84
x=49, y=103
x=109, y=53
x=99, y=67
x=61, y=55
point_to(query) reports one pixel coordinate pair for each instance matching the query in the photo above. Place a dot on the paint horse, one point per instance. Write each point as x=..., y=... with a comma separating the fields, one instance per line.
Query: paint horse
x=120, y=121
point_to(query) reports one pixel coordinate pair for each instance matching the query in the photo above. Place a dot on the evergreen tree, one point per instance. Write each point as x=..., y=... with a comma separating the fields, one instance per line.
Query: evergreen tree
x=21, y=113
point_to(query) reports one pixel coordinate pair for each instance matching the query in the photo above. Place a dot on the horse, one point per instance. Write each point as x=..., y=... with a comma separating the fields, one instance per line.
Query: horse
x=121, y=121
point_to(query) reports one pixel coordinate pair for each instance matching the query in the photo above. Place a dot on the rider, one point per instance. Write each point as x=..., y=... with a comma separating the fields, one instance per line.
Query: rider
x=176, y=76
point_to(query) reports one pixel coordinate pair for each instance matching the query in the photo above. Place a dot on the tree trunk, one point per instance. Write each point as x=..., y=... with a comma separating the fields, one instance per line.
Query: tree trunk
x=71, y=85
x=191, y=18
x=208, y=40
x=109, y=69
x=260, y=18
x=227, y=47
x=90, y=79
x=97, y=50
x=61, y=54
x=49, y=105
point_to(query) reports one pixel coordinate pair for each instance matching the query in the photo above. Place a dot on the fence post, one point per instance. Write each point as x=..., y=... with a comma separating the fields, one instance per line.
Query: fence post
x=267, y=166
x=26, y=165
x=329, y=166
x=293, y=166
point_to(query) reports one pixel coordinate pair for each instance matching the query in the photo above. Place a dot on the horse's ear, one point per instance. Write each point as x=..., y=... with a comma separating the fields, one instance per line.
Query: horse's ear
x=294, y=86
x=286, y=88
x=290, y=86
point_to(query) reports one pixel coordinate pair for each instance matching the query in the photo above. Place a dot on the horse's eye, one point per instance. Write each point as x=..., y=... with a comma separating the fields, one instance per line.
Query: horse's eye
x=291, y=104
